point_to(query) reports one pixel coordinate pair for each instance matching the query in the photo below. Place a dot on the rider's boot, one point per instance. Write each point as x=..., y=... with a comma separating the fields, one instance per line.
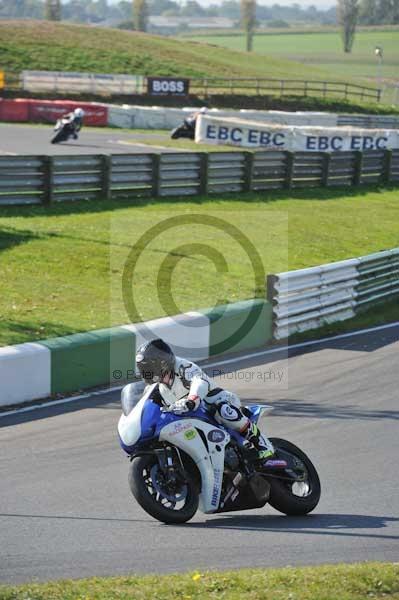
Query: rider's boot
x=262, y=446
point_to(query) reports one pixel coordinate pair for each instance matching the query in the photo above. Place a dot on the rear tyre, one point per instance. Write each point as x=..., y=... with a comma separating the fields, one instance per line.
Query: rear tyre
x=295, y=498
x=168, y=503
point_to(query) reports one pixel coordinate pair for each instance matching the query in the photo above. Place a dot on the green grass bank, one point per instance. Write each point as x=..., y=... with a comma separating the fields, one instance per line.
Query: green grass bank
x=38, y=45
x=335, y=582
x=61, y=267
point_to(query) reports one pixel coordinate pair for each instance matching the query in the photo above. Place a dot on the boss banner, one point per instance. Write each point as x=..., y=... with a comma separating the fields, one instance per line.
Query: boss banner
x=168, y=86
x=252, y=134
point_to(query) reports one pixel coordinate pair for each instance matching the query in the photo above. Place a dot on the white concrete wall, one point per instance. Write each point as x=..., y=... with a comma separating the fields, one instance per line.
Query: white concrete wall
x=187, y=334
x=158, y=117
x=25, y=373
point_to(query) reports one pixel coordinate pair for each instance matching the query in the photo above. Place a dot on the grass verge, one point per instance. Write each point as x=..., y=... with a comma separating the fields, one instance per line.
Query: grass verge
x=61, y=265
x=335, y=582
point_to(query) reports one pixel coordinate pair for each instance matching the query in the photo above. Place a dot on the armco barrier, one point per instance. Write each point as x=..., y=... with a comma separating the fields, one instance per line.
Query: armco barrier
x=106, y=357
x=46, y=179
x=309, y=298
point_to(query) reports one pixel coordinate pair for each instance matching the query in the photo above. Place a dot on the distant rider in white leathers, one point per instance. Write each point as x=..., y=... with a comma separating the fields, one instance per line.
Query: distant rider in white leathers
x=75, y=119
x=184, y=385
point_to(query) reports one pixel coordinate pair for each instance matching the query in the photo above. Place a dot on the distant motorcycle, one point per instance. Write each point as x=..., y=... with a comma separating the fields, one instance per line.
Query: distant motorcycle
x=186, y=130
x=64, y=129
x=180, y=462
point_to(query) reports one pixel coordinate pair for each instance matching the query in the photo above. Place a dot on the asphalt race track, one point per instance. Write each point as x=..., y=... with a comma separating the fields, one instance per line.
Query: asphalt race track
x=66, y=510
x=30, y=139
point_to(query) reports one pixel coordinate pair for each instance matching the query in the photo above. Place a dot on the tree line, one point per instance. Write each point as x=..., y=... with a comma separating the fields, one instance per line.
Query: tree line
x=379, y=12
x=95, y=11
x=369, y=12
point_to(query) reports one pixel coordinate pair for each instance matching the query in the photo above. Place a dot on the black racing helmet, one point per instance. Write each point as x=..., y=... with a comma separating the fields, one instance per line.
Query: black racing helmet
x=154, y=360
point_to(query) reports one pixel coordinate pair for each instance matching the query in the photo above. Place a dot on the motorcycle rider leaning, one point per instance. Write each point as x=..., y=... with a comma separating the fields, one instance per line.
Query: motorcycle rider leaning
x=191, y=120
x=185, y=385
x=75, y=119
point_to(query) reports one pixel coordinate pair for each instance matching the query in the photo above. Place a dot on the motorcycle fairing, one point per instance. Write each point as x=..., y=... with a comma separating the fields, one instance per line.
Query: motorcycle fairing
x=195, y=437
x=139, y=423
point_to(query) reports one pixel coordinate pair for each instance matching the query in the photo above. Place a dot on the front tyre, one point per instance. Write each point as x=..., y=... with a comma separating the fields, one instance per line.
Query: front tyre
x=295, y=498
x=60, y=137
x=169, y=502
x=175, y=134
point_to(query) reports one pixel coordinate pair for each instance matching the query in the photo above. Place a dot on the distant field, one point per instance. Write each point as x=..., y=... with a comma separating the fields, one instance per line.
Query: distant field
x=324, y=51
x=56, y=263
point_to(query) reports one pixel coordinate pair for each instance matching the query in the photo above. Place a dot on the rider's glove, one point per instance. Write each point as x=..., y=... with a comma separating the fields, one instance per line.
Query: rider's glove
x=186, y=404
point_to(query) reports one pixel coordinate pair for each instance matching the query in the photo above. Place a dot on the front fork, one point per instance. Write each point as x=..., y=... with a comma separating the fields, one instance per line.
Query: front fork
x=171, y=463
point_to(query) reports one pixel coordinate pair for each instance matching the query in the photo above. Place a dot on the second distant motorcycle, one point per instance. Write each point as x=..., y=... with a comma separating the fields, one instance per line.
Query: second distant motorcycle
x=187, y=129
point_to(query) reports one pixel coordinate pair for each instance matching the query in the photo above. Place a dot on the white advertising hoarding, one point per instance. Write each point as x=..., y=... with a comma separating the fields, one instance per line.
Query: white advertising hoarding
x=252, y=134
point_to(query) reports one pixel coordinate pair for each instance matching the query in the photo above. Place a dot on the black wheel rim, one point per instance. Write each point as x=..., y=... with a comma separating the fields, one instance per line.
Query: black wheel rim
x=172, y=496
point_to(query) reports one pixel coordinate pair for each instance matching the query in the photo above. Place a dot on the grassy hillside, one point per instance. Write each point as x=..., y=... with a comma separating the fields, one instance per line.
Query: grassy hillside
x=41, y=45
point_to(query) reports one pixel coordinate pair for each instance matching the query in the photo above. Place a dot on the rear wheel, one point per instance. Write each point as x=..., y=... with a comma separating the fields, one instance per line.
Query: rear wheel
x=168, y=501
x=295, y=497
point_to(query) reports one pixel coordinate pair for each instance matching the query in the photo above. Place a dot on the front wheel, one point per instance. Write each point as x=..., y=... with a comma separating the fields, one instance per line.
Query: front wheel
x=176, y=133
x=295, y=497
x=165, y=500
x=59, y=137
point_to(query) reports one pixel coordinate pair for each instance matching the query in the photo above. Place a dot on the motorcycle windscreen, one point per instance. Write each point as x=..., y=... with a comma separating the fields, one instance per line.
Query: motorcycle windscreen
x=131, y=396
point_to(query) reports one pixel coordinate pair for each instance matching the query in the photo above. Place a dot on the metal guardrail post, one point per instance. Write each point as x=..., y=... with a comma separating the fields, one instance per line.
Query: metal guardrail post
x=249, y=168
x=203, y=172
x=106, y=174
x=387, y=167
x=156, y=174
x=48, y=177
x=289, y=169
x=326, y=169
x=357, y=173
x=270, y=287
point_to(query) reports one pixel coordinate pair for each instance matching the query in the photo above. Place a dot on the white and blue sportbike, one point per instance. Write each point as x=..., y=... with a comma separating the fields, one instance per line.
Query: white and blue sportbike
x=182, y=461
